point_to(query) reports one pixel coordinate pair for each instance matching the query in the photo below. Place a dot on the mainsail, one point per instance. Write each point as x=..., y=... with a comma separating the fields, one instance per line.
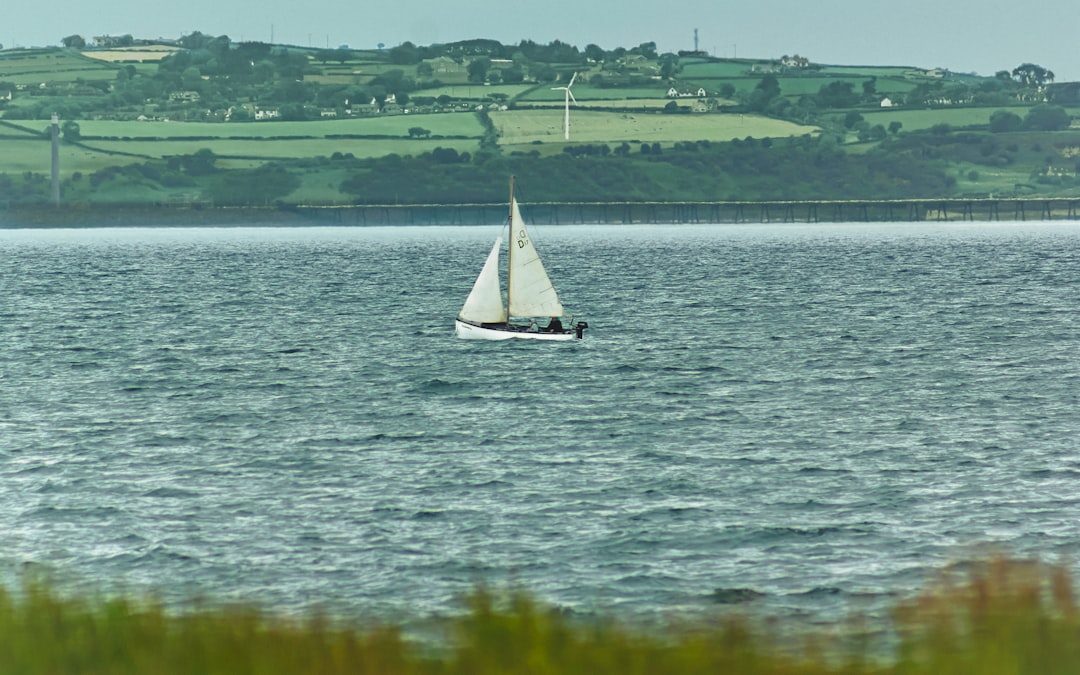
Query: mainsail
x=529, y=289
x=485, y=304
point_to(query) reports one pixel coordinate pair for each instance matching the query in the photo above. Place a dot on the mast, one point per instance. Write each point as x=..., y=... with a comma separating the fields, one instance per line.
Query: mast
x=55, y=159
x=510, y=249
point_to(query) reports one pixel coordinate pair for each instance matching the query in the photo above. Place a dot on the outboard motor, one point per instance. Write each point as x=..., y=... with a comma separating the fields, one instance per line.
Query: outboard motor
x=580, y=328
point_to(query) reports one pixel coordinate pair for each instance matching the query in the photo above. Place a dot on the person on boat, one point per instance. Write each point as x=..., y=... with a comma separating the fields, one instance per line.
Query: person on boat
x=555, y=325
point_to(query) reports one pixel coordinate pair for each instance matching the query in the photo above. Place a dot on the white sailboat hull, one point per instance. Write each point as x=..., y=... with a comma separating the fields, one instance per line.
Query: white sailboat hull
x=469, y=331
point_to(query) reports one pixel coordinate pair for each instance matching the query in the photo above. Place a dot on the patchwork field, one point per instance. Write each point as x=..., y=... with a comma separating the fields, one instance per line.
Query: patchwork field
x=106, y=143
x=109, y=142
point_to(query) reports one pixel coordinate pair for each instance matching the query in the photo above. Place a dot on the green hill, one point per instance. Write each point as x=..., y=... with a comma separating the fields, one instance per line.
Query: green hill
x=149, y=123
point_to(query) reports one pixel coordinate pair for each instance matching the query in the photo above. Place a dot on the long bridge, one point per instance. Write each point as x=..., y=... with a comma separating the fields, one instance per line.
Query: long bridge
x=802, y=211
x=629, y=213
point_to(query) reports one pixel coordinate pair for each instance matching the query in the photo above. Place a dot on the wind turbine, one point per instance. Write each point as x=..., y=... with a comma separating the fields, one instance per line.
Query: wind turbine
x=569, y=97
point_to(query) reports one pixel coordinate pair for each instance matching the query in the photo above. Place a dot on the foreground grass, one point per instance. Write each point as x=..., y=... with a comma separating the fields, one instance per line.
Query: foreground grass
x=998, y=618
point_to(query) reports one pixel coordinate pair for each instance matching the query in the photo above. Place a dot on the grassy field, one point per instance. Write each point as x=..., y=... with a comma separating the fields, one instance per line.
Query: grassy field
x=445, y=124
x=796, y=86
x=355, y=72
x=109, y=143
x=880, y=72
x=1000, y=618
x=148, y=53
x=713, y=76
x=716, y=69
x=35, y=66
x=283, y=149
x=322, y=186
x=338, y=78
x=476, y=92
x=20, y=156
x=586, y=93
x=974, y=179
x=649, y=104
x=925, y=119
x=799, y=86
x=526, y=127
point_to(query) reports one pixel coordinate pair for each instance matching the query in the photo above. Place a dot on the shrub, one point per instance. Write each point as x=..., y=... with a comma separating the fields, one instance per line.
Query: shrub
x=1003, y=121
x=1047, y=118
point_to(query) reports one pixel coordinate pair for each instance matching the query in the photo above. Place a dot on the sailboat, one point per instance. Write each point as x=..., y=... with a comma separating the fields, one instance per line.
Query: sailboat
x=529, y=294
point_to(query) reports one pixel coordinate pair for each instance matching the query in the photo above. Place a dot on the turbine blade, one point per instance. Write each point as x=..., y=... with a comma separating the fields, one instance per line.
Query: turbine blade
x=571, y=95
x=572, y=78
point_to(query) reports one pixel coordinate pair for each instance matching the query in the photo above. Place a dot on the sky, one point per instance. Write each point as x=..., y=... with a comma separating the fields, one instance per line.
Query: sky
x=966, y=36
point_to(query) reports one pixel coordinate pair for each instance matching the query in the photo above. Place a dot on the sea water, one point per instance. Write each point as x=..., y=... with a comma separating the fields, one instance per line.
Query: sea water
x=803, y=418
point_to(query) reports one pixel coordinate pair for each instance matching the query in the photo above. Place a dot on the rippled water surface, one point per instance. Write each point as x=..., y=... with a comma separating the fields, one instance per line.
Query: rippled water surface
x=819, y=414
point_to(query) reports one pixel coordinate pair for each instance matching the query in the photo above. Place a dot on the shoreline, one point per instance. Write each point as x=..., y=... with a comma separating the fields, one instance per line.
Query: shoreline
x=603, y=213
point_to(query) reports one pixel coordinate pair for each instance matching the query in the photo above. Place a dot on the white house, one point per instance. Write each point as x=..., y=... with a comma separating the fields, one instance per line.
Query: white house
x=184, y=96
x=795, y=61
x=675, y=93
x=886, y=102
